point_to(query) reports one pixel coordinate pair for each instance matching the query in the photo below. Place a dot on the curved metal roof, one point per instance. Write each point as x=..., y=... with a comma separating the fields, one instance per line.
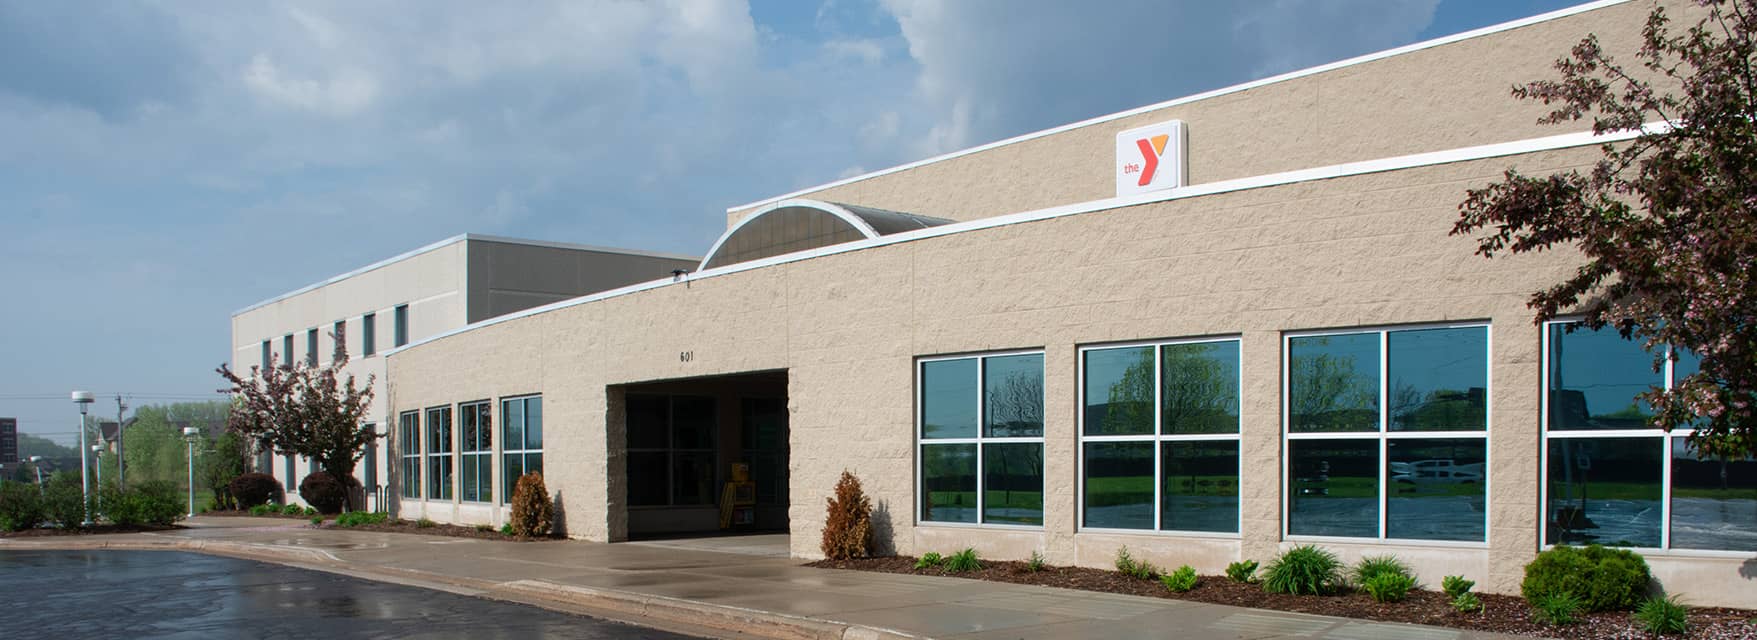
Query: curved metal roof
x=801, y=224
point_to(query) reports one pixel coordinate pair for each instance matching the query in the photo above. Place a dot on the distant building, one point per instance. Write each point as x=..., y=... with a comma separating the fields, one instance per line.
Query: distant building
x=8, y=440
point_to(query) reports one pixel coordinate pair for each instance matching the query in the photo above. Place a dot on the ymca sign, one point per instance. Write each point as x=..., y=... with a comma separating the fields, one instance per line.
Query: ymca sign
x=1150, y=158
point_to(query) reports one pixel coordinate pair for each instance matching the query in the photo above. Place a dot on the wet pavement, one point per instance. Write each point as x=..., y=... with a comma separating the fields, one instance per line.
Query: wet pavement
x=167, y=594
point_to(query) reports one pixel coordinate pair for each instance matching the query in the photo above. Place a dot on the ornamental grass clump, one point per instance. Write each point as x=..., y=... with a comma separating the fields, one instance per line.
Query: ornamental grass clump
x=1556, y=609
x=962, y=561
x=533, y=513
x=1388, y=586
x=1663, y=616
x=1035, y=563
x=847, y=521
x=929, y=560
x=1303, y=570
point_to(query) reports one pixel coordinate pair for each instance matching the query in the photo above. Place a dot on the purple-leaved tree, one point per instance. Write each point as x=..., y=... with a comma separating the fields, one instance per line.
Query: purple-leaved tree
x=1665, y=220
x=313, y=411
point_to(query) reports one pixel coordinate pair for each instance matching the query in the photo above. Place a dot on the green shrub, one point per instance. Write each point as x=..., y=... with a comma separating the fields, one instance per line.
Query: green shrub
x=64, y=500
x=963, y=561
x=21, y=506
x=1388, y=586
x=929, y=560
x=1663, y=616
x=425, y=524
x=1245, y=571
x=1556, y=609
x=533, y=514
x=1131, y=567
x=1600, y=578
x=357, y=518
x=1304, y=569
x=1374, y=566
x=264, y=509
x=506, y=529
x=310, y=511
x=316, y=520
x=1184, y=579
x=1035, y=563
x=292, y=510
x=155, y=502
x=1455, y=586
x=1467, y=602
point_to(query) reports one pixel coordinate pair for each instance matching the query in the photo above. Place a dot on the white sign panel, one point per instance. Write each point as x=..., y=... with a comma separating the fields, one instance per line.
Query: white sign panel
x=1150, y=158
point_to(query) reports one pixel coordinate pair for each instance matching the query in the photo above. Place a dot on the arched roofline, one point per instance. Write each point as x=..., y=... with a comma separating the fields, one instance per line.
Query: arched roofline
x=831, y=208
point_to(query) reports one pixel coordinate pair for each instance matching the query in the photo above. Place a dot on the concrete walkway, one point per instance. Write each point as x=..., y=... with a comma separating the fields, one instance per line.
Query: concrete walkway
x=734, y=595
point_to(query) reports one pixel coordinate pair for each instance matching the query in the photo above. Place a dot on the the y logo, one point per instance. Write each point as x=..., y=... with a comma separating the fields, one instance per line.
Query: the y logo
x=1150, y=158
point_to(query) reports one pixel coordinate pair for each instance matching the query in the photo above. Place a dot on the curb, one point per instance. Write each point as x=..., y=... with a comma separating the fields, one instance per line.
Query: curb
x=628, y=606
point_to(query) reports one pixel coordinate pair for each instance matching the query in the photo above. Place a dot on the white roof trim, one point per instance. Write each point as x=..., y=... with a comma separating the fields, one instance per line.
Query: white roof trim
x=454, y=240
x=826, y=207
x=1291, y=75
x=1463, y=154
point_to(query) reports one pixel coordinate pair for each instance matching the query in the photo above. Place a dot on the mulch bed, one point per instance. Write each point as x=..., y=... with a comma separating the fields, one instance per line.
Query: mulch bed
x=1501, y=614
x=436, y=529
x=97, y=529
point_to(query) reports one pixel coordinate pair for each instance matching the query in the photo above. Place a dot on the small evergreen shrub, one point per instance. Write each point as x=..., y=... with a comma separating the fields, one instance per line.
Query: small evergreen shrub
x=1129, y=566
x=327, y=493
x=1305, y=569
x=1467, y=602
x=506, y=529
x=1035, y=563
x=1245, y=571
x=1371, y=567
x=425, y=524
x=1184, y=579
x=1388, y=586
x=310, y=511
x=929, y=560
x=1663, y=616
x=264, y=510
x=316, y=520
x=847, y=521
x=21, y=506
x=963, y=561
x=156, y=502
x=1556, y=609
x=1455, y=586
x=533, y=513
x=292, y=510
x=252, y=489
x=1600, y=578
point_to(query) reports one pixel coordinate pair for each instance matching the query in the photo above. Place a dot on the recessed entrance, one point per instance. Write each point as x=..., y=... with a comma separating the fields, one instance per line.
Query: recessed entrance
x=705, y=456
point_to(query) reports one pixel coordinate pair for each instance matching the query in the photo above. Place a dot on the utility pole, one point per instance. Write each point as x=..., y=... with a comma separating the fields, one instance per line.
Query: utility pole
x=121, y=460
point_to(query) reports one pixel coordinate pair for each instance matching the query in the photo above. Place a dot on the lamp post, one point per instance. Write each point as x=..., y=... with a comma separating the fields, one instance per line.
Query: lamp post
x=190, y=434
x=98, y=470
x=84, y=400
x=37, y=462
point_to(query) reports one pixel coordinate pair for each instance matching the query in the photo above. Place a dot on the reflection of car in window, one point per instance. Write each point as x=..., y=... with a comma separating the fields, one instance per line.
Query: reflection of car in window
x=1436, y=471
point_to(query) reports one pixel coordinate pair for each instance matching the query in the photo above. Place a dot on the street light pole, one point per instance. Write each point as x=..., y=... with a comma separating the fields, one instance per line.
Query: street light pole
x=84, y=400
x=98, y=470
x=190, y=434
x=37, y=461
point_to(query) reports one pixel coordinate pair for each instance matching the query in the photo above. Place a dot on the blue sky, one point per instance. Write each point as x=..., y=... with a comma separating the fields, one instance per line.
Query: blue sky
x=166, y=163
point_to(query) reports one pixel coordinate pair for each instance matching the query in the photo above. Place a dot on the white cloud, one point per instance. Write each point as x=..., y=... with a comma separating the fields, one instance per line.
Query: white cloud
x=349, y=91
x=864, y=50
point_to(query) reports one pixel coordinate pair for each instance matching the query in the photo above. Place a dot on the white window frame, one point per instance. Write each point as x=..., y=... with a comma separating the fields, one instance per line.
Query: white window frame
x=1665, y=440
x=1384, y=435
x=1157, y=438
x=464, y=452
x=978, y=440
x=410, y=449
x=450, y=454
x=505, y=447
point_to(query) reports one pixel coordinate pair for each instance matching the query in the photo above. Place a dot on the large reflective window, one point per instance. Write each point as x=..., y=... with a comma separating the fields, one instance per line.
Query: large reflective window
x=1434, y=489
x=1199, y=486
x=948, y=483
x=948, y=398
x=1119, y=391
x=1198, y=390
x=1605, y=490
x=1333, y=488
x=1714, y=501
x=649, y=483
x=1595, y=377
x=1012, y=481
x=1333, y=383
x=1119, y=485
x=1439, y=379
x=1013, y=396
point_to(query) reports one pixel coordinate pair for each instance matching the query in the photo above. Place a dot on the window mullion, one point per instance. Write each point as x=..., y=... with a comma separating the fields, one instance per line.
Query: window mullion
x=981, y=423
x=1384, y=427
x=1158, y=430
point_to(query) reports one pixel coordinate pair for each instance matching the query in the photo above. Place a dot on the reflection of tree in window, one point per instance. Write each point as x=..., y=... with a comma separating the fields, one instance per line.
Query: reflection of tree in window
x=1015, y=408
x=1328, y=394
x=1198, y=392
x=1131, y=399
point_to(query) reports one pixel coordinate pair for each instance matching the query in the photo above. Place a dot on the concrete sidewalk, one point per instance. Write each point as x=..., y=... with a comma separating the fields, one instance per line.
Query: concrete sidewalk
x=734, y=595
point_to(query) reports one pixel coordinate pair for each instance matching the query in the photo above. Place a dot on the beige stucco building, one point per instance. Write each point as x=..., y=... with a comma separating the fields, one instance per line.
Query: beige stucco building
x=416, y=295
x=1272, y=341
